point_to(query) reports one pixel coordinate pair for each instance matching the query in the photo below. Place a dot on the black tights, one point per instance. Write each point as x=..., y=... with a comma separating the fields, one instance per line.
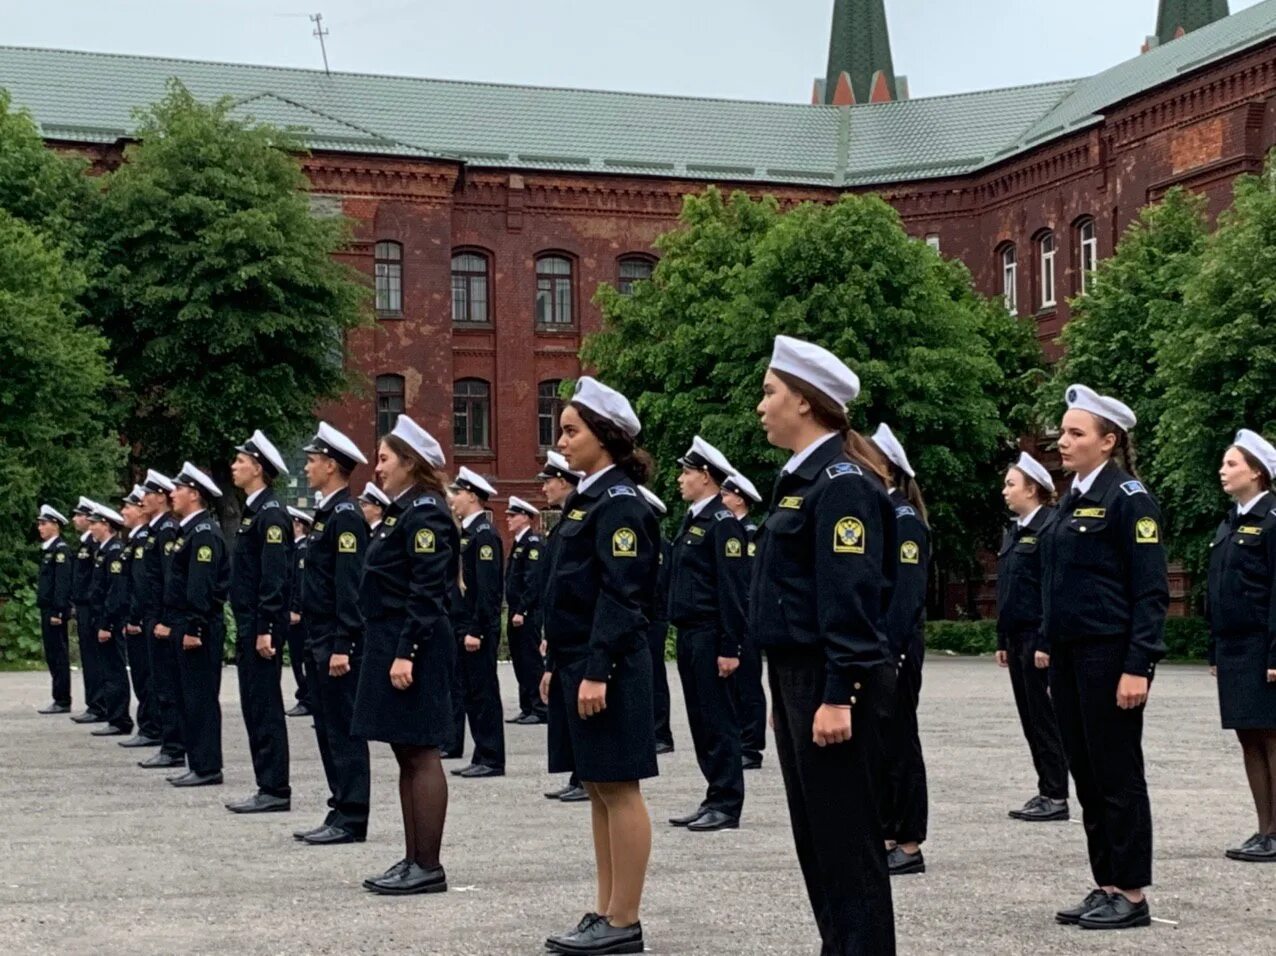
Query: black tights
x=423, y=799
x=1259, y=748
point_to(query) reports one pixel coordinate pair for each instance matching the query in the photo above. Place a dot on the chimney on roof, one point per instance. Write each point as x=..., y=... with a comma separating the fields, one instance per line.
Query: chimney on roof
x=860, y=68
x=1178, y=17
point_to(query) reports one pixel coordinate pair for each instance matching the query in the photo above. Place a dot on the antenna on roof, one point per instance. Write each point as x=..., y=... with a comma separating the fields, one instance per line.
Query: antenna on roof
x=320, y=32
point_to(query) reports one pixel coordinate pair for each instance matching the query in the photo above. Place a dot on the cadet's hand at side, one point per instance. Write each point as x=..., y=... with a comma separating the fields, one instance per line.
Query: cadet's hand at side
x=1041, y=659
x=592, y=698
x=401, y=673
x=1132, y=692
x=832, y=725
x=1003, y=659
x=727, y=666
x=265, y=647
x=338, y=665
x=472, y=643
x=190, y=642
x=545, y=679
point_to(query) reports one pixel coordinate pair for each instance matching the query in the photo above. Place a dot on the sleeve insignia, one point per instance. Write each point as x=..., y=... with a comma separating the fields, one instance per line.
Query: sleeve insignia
x=204, y=555
x=344, y=506
x=624, y=544
x=1134, y=488
x=722, y=515
x=753, y=549
x=905, y=511
x=424, y=542
x=909, y=553
x=843, y=468
x=169, y=547
x=848, y=536
x=792, y=504
x=117, y=567
x=486, y=553
x=274, y=534
x=137, y=552
x=203, y=527
x=61, y=558
x=734, y=548
x=1146, y=531
x=424, y=500
x=534, y=555
x=347, y=543
x=617, y=491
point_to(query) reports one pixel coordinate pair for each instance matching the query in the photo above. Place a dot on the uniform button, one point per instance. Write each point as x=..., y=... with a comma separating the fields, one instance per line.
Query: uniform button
x=903, y=657
x=857, y=685
x=853, y=700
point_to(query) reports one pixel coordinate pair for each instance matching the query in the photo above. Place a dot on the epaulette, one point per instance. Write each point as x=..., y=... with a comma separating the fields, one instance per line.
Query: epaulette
x=905, y=511
x=344, y=506
x=722, y=515
x=843, y=468
x=617, y=491
x=271, y=504
x=204, y=526
x=1134, y=488
x=424, y=500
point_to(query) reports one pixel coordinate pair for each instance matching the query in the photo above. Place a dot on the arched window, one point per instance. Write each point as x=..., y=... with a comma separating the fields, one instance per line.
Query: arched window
x=1009, y=277
x=549, y=408
x=932, y=240
x=389, y=278
x=471, y=413
x=469, y=288
x=1045, y=269
x=1087, y=254
x=389, y=402
x=631, y=269
x=553, y=291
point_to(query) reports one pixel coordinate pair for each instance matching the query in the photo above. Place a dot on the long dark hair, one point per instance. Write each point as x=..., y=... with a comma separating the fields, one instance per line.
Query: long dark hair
x=423, y=473
x=829, y=414
x=1123, y=452
x=628, y=457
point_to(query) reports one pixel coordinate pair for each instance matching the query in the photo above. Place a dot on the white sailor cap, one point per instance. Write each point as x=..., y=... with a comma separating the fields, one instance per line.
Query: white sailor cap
x=703, y=455
x=653, y=499
x=816, y=366
x=1035, y=470
x=374, y=496
x=110, y=515
x=1088, y=400
x=556, y=467
x=157, y=483
x=520, y=507
x=264, y=451
x=1259, y=447
x=85, y=506
x=330, y=442
x=135, y=496
x=305, y=517
x=743, y=487
x=49, y=513
x=192, y=477
x=468, y=480
x=609, y=403
x=885, y=439
x=420, y=441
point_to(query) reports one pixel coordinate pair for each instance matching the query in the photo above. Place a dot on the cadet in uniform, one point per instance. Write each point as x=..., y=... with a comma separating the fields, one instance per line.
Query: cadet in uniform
x=405, y=678
x=523, y=589
x=1028, y=491
x=193, y=619
x=373, y=503
x=904, y=806
x=110, y=613
x=301, y=524
x=260, y=566
x=85, y=628
x=157, y=559
x=601, y=585
x=739, y=495
x=53, y=598
x=1242, y=617
x=1104, y=542
x=476, y=622
x=821, y=587
x=658, y=632
x=708, y=584
x=136, y=639
x=334, y=631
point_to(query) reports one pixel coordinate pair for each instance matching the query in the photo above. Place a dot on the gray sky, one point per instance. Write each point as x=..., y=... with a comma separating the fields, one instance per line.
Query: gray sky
x=741, y=49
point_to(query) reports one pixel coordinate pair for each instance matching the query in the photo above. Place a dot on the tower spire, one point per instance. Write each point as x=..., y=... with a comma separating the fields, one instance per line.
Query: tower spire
x=860, y=68
x=1177, y=17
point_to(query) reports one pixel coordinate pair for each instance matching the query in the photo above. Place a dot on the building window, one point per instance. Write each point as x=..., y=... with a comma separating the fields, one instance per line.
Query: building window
x=932, y=240
x=1088, y=244
x=389, y=402
x=549, y=408
x=553, y=291
x=1009, y=279
x=471, y=413
x=1046, y=252
x=633, y=269
x=389, y=278
x=469, y=288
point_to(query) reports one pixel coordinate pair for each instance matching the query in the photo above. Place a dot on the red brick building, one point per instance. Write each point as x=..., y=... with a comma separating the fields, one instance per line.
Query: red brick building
x=488, y=215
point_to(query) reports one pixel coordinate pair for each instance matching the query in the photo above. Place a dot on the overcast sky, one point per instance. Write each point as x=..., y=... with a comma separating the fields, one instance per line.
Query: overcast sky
x=741, y=49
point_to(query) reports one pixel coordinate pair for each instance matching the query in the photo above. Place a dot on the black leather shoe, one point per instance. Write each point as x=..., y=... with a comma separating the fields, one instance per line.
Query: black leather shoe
x=330, y=836
x=300, y=835
x=528, y=720
x=1235, y=852
x=663, y=748
x=55, y=709
x=1032, y=804
x=517, y=717
x=476, y=770
x=260, y=803
x=110, y=730
x=1072, y=915
x=574, y=795
x=412, y=878
x=714, y=820
x=586, y=921
x=597, y=938
x=689, y=819
x=297, y=710
x=178, y=776
x=193, y=779
x=88, y=717
x=140, y=740
x=393, y=871
x=1045, y=811
x=162, y=760
x=1264, y=851
x=558, y=794
x=751, y=763
x=901, y=863
x=1117, y=912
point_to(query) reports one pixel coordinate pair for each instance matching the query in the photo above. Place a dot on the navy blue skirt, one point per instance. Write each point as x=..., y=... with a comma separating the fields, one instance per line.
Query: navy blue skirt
x=421, y=715
x=1245, y=700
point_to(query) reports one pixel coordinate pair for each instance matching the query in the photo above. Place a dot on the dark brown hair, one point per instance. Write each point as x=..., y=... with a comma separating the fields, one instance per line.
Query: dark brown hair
x=1123, y=452
x=1045, y=496
x=829, y=414
x=423, y=473
x=627, y=456
x=1264, y=479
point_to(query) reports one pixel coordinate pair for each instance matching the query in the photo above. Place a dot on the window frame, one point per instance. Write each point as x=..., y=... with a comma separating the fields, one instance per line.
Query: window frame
x=1087, y=248
x=400, y=393
x=624, y=283
x=560, y=284
x=1008, y=261
x=1047, y=270
x=393, y=274
x=471, y=276
x=556, y=405
x=470, y=401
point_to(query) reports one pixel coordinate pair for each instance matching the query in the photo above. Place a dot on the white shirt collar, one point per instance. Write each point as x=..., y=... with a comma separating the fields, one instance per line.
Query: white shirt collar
x=1027, y=519
x=157, y=519
x=374, y=526
x=519, y=537
x=586, y=482
x=1083, y=485
x=794, y=463
x=189, y=518
x=699, y=506
x=134, y=531
x=1248, y=506
x=46, y=545
x=466, y=522
x=85, y=537
x=248, y=502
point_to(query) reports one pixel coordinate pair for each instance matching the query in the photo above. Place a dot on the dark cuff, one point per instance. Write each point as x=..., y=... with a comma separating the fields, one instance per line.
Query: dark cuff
x=342, y=645
x=839, y=687
x=1137, y=662
x=405, y=649
x=598, y=666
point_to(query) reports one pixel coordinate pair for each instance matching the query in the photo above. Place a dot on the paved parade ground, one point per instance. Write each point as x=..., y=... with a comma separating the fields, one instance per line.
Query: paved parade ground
x=98, y=856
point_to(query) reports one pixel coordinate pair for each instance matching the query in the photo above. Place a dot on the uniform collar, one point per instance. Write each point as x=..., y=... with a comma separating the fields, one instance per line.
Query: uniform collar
x=84, y=538
x=1082, y=486
x=521, y=535
x=1258, y=506
x=46, y=545
x=1027, y=519
x=466, y=522
x=596, y=484
x=157, y=519
x=189, y=518
x=331, y=501
x=135, y=531
x=252, y=499
x=374, y=526
x=698, y=508
x=592, y=480
x=794, y=464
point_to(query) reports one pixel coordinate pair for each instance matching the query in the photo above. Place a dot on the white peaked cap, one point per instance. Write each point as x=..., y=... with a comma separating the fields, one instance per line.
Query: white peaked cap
x=156, y=482
x=556, y=467
x=653, y=499
x=703, y=455
x=192, y=477
x=85, y=506
x=420, y=441
x=103, y=513
x=135, y=496
x=1035, y=470
x=374, y=496
x=609, y=403
x=48, y=513
x=816, y=366
x=1259, y=447
x=519, y=506
x=472, y=481
x=264, y=450
x=885, y=439
x=303, y=516
x=328, y=441
x=1088, y=400
x=742, y=486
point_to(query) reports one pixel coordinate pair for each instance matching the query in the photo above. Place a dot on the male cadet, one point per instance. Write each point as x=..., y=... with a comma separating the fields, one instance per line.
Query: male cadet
x=476, y=623
x=259, y=569
x=739, y=495
x=157, y=560
x=85, y=629
x=523, y=588
x=334, y=628
x=135, y=638
x=53, y=598
x=558, y=484
x=658, y=632
x=301, y=524
x=194, y=603
x=110, y=613
x=708, y=584
x=373, y=503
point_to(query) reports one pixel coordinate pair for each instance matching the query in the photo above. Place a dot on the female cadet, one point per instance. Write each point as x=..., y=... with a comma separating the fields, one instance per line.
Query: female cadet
x=601, y=586
x=1028, y=491
x=404, y=695
x=1104, y=596
x=905, y=809
x=824, y=568
x=1243, y=629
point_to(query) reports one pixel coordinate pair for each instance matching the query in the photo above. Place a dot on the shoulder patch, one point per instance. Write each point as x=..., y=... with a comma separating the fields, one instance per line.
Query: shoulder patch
x=618, y=491
x=848, y=536
x=843, y=468
x=1134, y=488
x=486, y=553
x=905, y=511
x=204, y=555
x=624, y=544
x=347, y=543
x=734, y=548
x=424, y=543
x=910, y=553
x=344, y=506
x=117, y=567
x=204, y=526
x=791, y=503
x=1146, y=531
x=270, y=504
x=274, y=534
x=424, y=500
x=722, y=515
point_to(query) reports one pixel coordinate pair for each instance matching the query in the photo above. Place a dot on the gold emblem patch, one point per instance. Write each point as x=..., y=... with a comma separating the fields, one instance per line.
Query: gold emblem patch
x=347, y=543
x=1146, y=531
x=534, y=555
x=624, y=544
x=576, y=515
x=168, y=547
x=909, y=553
x=848, y=536
x=424, y=543
x=486, y=553
x=1249, y=529
x=1090, y=513
x=753, y=549
x=61, y=558
x=697, y=532
x=204, y=554
x=274, y=534
x=117, y=567
x=793, y=504
x=734, y=548
x=137, y=552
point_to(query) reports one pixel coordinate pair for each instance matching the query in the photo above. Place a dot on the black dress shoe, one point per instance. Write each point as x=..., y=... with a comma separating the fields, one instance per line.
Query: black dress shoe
x=477, y=770
x=178, y=776
x=162, y=759
x=690, y=818
x=412, y=878
x=88, y=717
x=330, y=836
x=1046, y=810
x=393, y=871
x=558, y=794
x=574, y=795
x=1117, y=912
x=1263, y=851
x=529, y=720
x=260, y=803
x=517, y=717
x=193, y=779
x=1235, y=852
x=586, y=921
x=714, y=820
x=1031, y=804
x=597, y=938
x=1072, y=916
x=901, y=863
x=110, y=730
x=55, y=709
x=751, y=763
x=297, y=710
x=140, y=740
x=663, y=747
x=301, y=835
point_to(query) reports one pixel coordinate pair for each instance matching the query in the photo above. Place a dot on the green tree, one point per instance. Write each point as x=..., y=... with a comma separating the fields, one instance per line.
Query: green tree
x=948, y=370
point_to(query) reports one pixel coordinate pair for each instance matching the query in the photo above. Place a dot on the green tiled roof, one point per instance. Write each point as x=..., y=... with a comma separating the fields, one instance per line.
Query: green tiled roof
x=89, y=97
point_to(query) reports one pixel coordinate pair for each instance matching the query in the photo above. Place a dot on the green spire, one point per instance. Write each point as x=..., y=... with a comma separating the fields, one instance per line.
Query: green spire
x=1177, y=17
x=860, y=47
